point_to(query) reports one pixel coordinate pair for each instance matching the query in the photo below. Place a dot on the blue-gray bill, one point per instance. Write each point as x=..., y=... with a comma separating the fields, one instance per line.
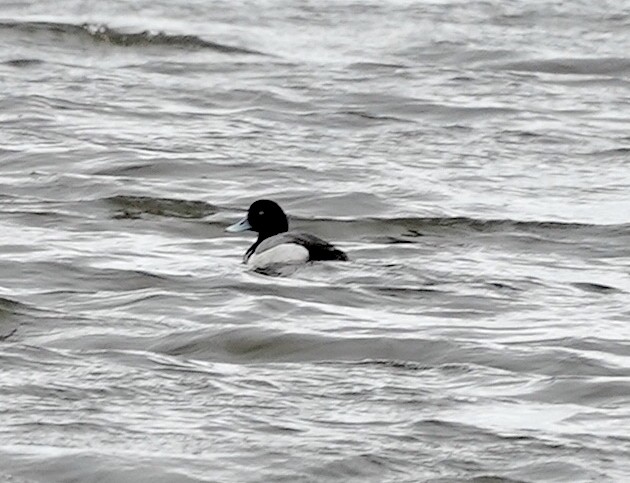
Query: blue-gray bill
x=242, y=225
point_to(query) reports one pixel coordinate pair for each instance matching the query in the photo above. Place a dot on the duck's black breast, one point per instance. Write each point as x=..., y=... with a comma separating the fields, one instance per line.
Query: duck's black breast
x=318, y=249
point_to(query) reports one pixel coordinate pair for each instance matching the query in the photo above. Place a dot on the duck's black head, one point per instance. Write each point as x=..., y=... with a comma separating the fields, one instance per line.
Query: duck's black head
x=265, y=217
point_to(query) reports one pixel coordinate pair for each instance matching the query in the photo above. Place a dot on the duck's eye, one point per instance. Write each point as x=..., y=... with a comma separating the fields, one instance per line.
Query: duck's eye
x=261, y=213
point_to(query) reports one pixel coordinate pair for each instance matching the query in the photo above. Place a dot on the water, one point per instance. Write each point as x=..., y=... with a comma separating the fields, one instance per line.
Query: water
x=471, y=157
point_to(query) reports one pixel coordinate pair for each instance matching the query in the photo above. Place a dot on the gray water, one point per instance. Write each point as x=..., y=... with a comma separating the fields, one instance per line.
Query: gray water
x=472, y=158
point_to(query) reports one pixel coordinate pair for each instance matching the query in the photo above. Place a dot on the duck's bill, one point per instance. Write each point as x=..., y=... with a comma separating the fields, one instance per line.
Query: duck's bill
x=242, y=225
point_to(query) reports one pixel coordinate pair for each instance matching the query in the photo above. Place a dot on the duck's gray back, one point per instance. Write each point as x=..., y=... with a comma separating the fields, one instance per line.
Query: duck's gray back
x=318, y=249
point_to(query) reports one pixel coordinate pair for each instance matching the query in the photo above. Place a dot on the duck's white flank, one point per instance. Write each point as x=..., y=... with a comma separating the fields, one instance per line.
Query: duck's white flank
x=284, y=254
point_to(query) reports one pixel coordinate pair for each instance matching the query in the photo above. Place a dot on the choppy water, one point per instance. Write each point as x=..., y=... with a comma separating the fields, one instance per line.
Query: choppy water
x=473, y=159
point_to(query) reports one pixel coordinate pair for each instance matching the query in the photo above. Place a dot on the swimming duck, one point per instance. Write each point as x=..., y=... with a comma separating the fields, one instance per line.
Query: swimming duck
x=276, y=245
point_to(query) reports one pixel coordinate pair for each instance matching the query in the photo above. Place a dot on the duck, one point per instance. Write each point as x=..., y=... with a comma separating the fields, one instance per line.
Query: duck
x=276, y=245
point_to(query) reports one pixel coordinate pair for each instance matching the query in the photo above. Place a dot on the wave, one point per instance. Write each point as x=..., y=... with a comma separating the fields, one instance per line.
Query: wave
x=100, y=33
x=23, y=62
x=11, y=306
x=251, y=344
x=133, y=206
x=389, y=229
x=403, y=229
x=596, y=287
x=8, y=325
x=581, y=66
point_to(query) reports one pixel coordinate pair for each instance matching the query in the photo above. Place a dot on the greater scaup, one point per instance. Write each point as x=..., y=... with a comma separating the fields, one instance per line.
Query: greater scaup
x=278, y=246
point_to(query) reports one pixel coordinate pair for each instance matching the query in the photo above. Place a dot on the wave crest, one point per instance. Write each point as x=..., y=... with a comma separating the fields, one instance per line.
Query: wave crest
x=100, y=33
x=130, y=206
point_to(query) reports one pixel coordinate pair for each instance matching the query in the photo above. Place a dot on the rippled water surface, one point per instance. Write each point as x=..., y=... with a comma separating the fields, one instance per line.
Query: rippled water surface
x=473, y=159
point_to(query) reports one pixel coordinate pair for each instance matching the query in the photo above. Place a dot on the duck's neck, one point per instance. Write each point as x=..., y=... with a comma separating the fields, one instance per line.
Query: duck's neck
x=261, y=237
x=250, y=251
